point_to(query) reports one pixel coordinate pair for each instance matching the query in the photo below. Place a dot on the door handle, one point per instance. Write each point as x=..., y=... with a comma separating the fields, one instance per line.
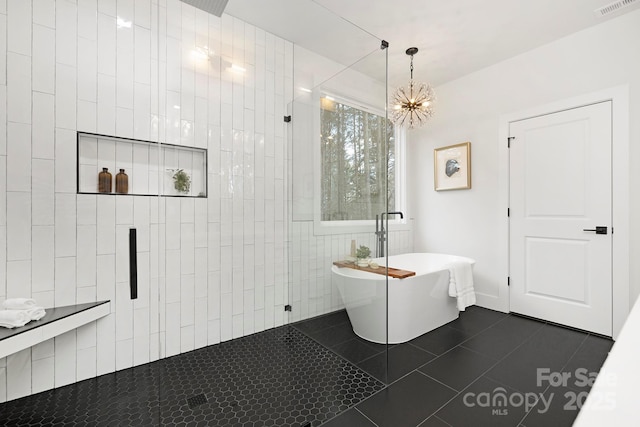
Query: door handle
x=599, y=229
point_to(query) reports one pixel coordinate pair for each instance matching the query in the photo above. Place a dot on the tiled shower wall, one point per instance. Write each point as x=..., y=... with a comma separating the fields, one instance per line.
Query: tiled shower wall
x=209, y=270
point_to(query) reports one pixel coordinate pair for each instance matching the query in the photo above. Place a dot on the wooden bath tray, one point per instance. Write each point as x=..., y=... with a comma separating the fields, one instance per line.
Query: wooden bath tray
x=393, y=272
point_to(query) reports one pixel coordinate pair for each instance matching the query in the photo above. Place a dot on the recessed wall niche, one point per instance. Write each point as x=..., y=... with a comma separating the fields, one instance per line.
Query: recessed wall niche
x=140, y=168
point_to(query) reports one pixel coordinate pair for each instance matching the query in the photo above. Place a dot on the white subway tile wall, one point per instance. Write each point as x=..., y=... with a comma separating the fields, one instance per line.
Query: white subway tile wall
x=42, y=374
x=65, y=359
x=42, y=132
x=208, y=270
x=18, y=369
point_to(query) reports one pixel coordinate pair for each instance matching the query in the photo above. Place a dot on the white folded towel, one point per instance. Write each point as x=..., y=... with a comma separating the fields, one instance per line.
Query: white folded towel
x=19, y=304
x=14, y=318
x=36, y=313
x=461, y=284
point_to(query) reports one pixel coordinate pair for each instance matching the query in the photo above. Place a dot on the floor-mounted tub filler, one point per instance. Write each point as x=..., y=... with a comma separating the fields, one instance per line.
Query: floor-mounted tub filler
x=417, y=304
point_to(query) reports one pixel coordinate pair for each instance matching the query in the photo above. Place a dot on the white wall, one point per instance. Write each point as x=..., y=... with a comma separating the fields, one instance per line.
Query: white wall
x=468, y=222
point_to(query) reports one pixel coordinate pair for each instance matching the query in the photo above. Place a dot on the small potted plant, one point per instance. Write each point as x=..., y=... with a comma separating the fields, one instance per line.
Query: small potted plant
x=181, y=181
x=362, y=254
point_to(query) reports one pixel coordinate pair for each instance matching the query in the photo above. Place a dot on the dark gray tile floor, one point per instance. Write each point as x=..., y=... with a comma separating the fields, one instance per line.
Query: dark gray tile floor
x=484, y=369
x=479, y=370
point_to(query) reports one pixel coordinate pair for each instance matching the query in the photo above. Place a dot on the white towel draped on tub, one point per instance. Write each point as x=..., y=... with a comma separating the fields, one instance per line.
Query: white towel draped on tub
x=19, y=304
x=14, y=318
x=461, y=284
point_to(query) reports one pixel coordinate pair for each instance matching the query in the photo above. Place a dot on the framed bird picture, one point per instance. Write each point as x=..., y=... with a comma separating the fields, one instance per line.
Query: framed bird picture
x=452, y=167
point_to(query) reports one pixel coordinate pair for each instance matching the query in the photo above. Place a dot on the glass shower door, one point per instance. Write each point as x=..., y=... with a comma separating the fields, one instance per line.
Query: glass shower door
x=252, y=255
x=341, y=150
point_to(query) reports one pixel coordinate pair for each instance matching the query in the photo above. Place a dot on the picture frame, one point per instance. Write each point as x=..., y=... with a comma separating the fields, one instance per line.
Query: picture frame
x=452, y=167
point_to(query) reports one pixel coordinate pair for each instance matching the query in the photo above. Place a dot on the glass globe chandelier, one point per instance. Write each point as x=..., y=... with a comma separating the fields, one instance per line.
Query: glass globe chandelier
x=412, y=105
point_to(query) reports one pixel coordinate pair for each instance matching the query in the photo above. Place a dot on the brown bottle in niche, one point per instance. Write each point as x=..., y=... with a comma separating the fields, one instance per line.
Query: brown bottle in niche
x=122, y=182
x=104, y=181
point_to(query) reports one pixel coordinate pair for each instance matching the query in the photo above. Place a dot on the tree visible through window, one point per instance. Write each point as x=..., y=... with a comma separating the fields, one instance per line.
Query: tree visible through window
x=357, y=155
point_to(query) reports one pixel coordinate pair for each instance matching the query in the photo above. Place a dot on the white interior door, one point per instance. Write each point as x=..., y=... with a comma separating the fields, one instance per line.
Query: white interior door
x=560, y=187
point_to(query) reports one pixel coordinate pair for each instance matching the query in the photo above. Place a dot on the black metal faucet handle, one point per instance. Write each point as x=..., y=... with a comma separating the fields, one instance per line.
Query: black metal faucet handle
x=394, y=213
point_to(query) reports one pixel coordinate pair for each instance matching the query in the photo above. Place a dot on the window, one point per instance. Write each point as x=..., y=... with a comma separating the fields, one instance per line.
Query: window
x=357, y=152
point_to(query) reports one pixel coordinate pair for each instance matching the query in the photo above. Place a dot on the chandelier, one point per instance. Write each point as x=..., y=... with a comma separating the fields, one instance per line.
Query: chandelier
x=412, y=105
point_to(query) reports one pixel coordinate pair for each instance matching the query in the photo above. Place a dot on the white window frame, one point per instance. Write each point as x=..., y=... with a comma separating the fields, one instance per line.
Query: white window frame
x=359, y=226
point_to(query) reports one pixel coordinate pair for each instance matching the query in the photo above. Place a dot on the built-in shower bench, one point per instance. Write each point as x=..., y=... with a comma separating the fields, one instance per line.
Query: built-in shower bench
x=56, y=321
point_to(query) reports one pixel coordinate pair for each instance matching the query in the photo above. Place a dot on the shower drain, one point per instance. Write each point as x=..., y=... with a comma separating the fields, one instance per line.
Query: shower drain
x=197, y=400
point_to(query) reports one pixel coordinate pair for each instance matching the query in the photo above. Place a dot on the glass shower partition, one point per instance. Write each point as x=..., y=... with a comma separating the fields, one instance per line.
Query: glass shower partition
x=255, y=253
x=340, y=152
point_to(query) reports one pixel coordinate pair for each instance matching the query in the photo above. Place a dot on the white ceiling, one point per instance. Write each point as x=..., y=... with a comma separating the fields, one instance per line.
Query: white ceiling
x=455, y=37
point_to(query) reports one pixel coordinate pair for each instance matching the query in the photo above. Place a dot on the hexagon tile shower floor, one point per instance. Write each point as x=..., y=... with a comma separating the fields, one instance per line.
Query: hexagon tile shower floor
x=279, y=377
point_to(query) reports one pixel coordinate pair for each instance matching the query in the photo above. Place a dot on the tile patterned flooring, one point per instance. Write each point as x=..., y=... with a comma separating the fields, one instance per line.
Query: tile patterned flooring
x=319, y=372
x=452, y=376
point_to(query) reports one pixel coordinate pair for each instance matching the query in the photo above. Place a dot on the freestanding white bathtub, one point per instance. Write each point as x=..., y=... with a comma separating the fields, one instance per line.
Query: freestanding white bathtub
x=417, y=304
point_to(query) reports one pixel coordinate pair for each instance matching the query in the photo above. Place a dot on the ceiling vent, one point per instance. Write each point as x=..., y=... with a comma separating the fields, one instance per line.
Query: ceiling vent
x=215, y=7
x=613, y=7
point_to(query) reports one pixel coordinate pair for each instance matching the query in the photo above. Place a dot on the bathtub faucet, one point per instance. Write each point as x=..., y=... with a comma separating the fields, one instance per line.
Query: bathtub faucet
x=381, y=232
